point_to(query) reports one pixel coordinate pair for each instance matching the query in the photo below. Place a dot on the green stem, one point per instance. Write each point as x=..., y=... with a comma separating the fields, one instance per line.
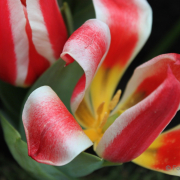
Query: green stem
x=65, y=10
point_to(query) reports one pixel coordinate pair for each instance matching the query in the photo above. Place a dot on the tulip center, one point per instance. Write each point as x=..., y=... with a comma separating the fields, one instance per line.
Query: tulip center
x=103, y=120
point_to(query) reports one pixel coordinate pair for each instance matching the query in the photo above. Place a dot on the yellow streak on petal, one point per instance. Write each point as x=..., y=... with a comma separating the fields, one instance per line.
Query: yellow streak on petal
x=84, y=115
x=92, y=134
x=148, y=158
x=131, y=101
x=104, y=85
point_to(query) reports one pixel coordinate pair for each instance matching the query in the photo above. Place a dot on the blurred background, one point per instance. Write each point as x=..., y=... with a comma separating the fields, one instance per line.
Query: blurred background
x=165, y=38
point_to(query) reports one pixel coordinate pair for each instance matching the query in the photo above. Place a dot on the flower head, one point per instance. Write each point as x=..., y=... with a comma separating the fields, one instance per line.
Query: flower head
x=120, y=131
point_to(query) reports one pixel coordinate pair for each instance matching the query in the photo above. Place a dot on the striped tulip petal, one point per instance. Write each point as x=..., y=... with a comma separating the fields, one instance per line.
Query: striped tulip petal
x=48, y=29
x=88, y=46
x=53, y=135
x=32, y=37
x=130, y=25
x=148, y=77
x=135, y=129
x=163, y=154
x=14, y=43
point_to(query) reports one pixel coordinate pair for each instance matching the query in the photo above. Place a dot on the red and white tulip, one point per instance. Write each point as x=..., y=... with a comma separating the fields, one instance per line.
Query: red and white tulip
x=32, y=36
x=120, y=131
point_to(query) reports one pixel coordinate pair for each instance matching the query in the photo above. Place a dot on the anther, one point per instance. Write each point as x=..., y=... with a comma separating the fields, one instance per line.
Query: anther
x=115, y=100
x=99, y=112
x=104, y=120
x=100, y=108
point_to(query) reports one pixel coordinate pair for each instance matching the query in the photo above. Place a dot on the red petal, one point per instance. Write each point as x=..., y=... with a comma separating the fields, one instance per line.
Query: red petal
x=14, y=43
x=130, y=25
x=88, y=46
x=37, y=63
x=47, y=35
x=53, y=135
x=48, y=28
x=163, y=154
x=149, y=76
x=134, y=130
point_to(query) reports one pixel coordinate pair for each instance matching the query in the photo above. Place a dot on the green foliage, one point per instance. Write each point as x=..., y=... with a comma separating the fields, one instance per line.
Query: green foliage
x=65, y=11
x=12, y=98
x=82, y=10
x=82, y=165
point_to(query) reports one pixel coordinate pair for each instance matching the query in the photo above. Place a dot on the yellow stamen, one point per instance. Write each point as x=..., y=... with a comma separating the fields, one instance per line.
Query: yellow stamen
x=99, y=112
x=120, y=111
x=100, y=108
x=104, y=120
x=115, y=100
x=96, y=133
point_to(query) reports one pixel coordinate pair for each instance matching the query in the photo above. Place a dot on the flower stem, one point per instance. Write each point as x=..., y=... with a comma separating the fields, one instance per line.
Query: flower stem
x=65, y=10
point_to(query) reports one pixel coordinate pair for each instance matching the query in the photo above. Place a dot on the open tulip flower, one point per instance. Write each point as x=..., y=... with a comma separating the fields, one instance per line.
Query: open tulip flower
x=32, y=36
x=120, y=131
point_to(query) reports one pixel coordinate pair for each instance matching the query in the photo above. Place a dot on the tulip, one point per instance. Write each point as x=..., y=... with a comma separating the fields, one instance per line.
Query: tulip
x=32, y=34
x=120, y=130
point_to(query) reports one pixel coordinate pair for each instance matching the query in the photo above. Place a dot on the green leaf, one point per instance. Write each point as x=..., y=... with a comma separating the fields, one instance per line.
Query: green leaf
x=70, y=2
x=82, y=165
x=108, y=163
x=12, y=99
x=67, y=16
x=82, y=10
x=18, y=149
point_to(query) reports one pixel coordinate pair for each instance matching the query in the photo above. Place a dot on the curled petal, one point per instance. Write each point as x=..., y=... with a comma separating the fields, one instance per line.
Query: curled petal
x=53, y=135
x=88, y=46
x=130, y=25
x=148, y=77
x=135, y=129
x=163, y=154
